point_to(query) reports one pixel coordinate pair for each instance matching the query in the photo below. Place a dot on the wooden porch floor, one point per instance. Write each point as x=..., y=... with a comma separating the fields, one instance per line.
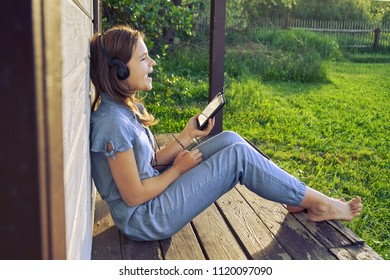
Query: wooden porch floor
x=239, y=226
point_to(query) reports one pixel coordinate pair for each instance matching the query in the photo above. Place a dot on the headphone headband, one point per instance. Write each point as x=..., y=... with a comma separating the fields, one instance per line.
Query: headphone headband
x=123, y=71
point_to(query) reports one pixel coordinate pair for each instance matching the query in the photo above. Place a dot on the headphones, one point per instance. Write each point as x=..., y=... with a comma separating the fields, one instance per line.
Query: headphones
x=122, y=72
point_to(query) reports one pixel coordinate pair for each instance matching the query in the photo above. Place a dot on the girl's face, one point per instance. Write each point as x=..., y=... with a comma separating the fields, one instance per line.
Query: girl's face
x=140, y=66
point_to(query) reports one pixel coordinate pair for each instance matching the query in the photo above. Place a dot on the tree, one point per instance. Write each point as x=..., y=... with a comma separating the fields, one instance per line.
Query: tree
x=251, y=11
x=333, y=9
x=158, y=19
x=380, y=11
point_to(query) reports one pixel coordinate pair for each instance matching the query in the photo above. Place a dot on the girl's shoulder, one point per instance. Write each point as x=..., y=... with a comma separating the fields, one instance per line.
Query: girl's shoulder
x=113, y=125
x=113, y=119
x=112, y=113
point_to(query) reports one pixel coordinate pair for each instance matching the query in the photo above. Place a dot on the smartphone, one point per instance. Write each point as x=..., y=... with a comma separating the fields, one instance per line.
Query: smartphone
x=211, y=110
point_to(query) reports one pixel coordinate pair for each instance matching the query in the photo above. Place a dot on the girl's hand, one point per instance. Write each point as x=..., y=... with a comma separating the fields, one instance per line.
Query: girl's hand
x=192, y=127
x=186, y=160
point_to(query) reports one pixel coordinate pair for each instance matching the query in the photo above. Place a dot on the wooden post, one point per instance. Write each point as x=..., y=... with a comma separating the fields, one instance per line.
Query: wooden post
x=32, y=193
x=19, y=202
x=377, y=32
x=217, y=55
x=97, y=16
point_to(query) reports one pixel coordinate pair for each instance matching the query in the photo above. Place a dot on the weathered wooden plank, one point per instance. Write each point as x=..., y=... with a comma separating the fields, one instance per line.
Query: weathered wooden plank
x=106, y=245
x=294, y=237
x=215, y=236
x=349, y=234
x=356, y=252
x=256, y=238
x=182, y=246
x=105, y=242
x=140, y=250
x=324, y=232
x=163, y=139
x=76, y=117
x=77, y=174
x=85, y=5
x=76, y=28
x=362, y=251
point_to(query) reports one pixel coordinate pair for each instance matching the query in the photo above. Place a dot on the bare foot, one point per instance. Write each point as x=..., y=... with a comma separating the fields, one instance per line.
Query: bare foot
x=294, y=209
x=335, y=209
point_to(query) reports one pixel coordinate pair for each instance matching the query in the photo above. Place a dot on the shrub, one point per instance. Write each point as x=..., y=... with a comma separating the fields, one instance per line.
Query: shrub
x=299, y=41
x=285, y=55
x=159, y=20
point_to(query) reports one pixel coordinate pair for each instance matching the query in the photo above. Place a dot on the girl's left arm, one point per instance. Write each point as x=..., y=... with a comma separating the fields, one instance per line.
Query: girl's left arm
x=166, y=155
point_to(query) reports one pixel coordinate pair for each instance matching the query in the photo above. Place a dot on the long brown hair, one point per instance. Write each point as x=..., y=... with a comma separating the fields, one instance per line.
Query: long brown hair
x=120, y=42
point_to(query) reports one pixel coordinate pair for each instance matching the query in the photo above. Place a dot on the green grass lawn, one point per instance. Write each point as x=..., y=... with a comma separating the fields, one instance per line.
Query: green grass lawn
x=334, y=135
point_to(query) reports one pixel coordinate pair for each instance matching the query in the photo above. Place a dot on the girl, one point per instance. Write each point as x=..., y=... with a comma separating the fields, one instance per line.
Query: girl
x=152, y=195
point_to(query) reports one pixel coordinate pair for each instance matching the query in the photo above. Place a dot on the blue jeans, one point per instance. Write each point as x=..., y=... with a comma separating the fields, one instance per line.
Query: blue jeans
x=227, y=160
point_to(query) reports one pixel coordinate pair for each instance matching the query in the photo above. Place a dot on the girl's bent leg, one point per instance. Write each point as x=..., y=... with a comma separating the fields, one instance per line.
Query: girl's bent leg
x=200, y=187
x=219, y=142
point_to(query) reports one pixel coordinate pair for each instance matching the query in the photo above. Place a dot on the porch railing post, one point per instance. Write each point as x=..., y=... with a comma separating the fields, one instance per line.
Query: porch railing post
x=217, y=55
x=377, y=33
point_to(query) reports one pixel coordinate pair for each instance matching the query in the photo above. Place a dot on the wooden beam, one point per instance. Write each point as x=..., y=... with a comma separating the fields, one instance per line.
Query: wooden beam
x=217, y=55
x=48, y=76
x=32, y=201
x=19, y=201
x=97, y=16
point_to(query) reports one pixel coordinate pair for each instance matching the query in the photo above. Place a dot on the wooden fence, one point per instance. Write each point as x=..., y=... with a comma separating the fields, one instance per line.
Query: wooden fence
x=349, y=34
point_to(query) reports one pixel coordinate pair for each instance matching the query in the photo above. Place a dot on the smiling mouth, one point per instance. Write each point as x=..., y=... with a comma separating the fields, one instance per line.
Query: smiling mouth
x=147, y=75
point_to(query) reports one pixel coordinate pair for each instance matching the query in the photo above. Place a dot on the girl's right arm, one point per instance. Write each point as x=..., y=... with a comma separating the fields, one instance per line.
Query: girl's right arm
x=135, y=191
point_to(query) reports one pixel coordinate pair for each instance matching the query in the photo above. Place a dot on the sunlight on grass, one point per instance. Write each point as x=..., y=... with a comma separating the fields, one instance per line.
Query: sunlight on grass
x=333, y=135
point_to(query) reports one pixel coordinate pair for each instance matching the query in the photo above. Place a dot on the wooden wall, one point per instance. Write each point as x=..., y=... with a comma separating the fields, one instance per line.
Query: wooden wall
x=76, y=29
x=47, y=194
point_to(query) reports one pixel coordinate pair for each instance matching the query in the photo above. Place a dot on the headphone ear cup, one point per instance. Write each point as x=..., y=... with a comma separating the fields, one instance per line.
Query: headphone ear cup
x=122, y=72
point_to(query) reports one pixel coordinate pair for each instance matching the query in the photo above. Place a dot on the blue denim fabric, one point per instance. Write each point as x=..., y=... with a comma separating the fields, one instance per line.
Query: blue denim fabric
x=228, y=160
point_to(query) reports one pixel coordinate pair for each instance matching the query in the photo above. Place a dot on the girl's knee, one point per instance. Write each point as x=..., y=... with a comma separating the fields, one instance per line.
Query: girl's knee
x=231, y=137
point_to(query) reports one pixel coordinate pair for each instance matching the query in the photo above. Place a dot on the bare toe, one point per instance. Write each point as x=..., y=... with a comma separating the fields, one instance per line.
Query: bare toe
x=356, y=205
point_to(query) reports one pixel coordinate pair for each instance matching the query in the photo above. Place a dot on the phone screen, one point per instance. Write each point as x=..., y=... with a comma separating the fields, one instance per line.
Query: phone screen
x=211, y=110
